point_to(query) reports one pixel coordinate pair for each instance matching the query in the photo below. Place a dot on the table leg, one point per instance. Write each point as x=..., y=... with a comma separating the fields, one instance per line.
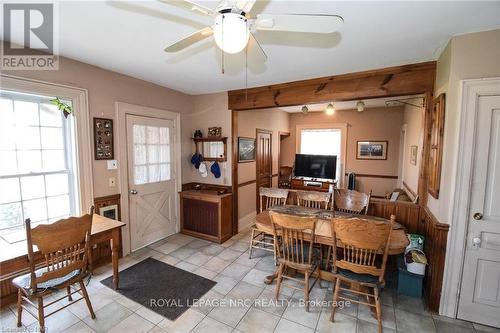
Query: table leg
x=115, y=249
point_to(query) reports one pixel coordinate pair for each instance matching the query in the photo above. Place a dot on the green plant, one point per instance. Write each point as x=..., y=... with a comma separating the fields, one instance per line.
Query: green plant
x=64, y=107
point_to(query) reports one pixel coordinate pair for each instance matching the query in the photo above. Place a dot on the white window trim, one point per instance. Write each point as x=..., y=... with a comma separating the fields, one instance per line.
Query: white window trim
x=343, y=149
x=79, y=98
x=122, y=110
x=471, y=90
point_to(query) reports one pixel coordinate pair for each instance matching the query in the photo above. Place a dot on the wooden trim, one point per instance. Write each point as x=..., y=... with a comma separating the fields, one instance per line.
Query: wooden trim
x=407, y=188
x=436, y=136
x=280, y=135
x=234, y=169
x=367, y=175
x=254, y=181
x=264, y=131
x=386, y=82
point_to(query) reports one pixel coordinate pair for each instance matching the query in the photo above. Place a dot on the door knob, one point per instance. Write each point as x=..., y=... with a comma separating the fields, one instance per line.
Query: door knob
x=476, y=242
x=133, y=191
x=477, y=216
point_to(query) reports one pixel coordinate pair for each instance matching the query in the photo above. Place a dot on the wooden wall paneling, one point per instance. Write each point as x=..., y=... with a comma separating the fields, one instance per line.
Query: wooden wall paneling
x=386, y=82
x=407, y=213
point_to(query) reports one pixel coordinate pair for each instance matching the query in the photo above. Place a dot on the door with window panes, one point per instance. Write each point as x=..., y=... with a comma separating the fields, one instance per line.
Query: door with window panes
x=151, y=178
x=36, y=164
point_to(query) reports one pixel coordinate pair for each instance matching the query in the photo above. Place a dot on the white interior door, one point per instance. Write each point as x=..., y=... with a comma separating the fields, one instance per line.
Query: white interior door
x=151, y=178
x=480, y=290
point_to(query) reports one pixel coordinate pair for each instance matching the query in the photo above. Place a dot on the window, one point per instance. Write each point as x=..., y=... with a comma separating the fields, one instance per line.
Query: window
x=151, y=154
x=322, y=141
x=36, y=163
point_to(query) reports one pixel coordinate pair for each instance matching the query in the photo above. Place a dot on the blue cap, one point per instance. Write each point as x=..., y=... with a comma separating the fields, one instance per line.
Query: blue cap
x=215, y=168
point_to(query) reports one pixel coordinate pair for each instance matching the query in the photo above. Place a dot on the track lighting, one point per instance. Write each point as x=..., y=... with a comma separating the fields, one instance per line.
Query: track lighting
x=360, y=106
x=330, y=109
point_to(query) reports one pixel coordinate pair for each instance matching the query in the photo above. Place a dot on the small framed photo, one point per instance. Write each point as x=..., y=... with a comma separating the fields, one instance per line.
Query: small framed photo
x=371, y=150
x=246, y=149
x=103, y=139
x=413, y=154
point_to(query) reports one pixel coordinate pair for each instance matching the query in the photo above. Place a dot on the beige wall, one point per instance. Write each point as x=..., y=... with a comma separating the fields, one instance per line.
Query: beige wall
x=208, y=111
x=372, y=124
x=104, y=89
x=248, y=122
x=413, y=119
x=470, y=56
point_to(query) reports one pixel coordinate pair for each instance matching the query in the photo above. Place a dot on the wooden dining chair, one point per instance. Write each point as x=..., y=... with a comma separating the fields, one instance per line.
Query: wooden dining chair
x=353, y=202
x=262, y=236
x=363, y=247
x=285, y=177
x=64, y=249
x=296, y=251
x=314, y=199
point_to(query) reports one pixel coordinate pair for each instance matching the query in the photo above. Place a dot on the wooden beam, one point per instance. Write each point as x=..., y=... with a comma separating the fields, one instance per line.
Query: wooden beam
x=386, y=82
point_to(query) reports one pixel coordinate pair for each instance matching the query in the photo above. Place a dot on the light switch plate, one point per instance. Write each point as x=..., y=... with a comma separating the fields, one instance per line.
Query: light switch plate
x=112, y=164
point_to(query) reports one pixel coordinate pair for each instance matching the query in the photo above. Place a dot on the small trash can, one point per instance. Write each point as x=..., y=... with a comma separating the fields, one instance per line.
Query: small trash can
x=409, y=284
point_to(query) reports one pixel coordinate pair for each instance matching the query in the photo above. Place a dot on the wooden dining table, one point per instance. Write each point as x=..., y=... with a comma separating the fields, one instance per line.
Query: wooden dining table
x=323, y=231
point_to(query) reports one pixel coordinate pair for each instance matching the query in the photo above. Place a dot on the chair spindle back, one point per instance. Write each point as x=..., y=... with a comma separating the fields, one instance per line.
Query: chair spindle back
x=353, y=202
x=63, y=245
x=314, y=199
x=363, y=240
x=270, y=197
x=296, y=245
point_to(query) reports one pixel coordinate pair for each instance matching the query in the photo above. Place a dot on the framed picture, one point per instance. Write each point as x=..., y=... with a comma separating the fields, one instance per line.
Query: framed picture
x=413, y=155
x=371, y=150
x=246, y=149
x=103, y=139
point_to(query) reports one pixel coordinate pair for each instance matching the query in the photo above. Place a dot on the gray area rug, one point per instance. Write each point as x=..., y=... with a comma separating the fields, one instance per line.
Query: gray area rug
x=165, y=289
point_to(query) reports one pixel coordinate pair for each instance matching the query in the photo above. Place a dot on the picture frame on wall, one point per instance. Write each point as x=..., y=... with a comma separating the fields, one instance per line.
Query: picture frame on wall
x=103, y=139
x=246, y=149
x=371, y=150
x=413, y=154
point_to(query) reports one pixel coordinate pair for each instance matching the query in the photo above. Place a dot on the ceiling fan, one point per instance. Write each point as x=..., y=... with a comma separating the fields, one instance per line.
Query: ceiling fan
x=233, y=25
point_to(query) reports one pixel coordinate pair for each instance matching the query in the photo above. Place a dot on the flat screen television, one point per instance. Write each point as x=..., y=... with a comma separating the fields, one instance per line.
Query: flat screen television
x=316, y=166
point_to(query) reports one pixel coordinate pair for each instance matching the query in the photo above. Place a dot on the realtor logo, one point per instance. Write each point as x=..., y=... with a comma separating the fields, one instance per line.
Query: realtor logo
x=28, y=37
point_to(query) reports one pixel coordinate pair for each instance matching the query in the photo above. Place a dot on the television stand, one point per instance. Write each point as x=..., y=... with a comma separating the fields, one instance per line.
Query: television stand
x=308, y=184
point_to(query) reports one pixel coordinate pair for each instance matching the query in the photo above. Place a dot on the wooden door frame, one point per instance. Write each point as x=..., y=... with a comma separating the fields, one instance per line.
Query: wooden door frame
x=280, y=134
x=471, y=90
x=121, y=111
x=412, y=79
x=257, y=184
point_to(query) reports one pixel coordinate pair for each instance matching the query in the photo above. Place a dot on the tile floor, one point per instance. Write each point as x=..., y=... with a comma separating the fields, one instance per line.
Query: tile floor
x=238, y=277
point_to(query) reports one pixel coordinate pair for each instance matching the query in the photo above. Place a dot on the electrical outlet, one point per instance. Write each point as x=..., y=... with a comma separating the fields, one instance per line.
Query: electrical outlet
x=112, y=182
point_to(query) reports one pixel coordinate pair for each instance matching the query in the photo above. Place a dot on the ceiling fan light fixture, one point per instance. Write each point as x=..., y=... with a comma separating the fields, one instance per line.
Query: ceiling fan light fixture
x=330, y=109
x=231, y=32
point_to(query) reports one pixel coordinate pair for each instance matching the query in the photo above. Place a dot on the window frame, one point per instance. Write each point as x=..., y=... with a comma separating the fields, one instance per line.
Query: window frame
x=342, y=127
x=82, y=149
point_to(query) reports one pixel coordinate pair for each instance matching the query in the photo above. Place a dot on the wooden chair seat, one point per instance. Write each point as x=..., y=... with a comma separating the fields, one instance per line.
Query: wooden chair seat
x=363, y=279
x=267, y=228
x=24, y=281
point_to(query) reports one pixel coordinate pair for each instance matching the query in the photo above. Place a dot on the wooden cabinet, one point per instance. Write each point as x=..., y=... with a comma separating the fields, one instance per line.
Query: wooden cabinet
x=206, y=215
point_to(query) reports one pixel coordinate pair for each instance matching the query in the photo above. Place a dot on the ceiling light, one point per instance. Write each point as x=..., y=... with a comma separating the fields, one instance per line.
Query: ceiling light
x=360, y=105
x=330, y=109
x=231, y=32
x=305, y=110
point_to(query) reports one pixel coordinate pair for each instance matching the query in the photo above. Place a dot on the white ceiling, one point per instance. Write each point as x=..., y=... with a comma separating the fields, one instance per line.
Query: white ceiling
x=129, y=37
x=351, y=105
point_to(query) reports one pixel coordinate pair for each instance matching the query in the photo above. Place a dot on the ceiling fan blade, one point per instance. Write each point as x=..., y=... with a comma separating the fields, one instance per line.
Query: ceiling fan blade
x=254, y=46
x=189, y=5
x=323, y=24
x=190, y=40
x=245, y=5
